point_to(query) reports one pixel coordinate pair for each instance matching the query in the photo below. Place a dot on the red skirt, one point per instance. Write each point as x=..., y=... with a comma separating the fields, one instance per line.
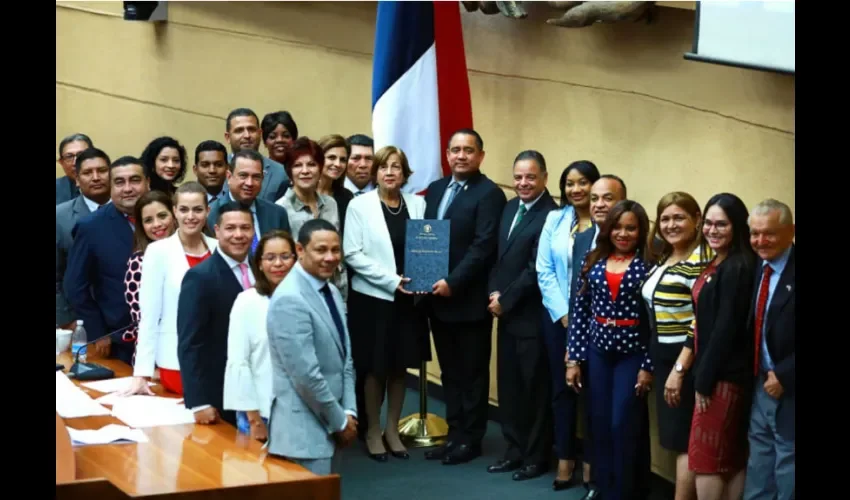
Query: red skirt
x=718, y=441
x=170, y=380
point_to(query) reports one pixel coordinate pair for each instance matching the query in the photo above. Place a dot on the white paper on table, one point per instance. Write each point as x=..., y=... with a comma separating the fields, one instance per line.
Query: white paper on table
x=149, y=411
x=113, y=397
x=107, y=434
x=72, y=402
x=111, y=385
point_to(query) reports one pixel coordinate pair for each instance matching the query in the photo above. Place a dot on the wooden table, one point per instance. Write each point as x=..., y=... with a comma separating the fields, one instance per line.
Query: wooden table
x=212, y=459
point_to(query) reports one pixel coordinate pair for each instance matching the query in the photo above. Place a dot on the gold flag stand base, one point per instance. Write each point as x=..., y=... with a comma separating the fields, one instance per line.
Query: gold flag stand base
x=423, y=429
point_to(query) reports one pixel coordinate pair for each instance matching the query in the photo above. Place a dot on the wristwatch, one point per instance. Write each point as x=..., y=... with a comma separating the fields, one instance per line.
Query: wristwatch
x=679, y=368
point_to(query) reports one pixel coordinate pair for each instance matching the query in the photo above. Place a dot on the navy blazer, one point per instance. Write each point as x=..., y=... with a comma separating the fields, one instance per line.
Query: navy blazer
x=515, y=274
x=595, y=302
x=781, y=337
x=474, y=233
x=94, y=274
x=207, y=294
x=66, y=189
x=269, y=215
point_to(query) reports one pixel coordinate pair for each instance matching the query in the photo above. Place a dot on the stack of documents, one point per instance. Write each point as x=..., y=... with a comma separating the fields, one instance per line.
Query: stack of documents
x=111, y=433
x=72, y=402
x=111, y=385
x=151, y=411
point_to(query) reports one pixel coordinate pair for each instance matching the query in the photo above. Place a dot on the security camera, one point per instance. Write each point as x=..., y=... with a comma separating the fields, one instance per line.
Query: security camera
x=145, y=11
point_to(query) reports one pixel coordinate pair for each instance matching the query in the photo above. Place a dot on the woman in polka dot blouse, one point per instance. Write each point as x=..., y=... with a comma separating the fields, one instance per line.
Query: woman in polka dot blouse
x=609, y=328
x=155, y=221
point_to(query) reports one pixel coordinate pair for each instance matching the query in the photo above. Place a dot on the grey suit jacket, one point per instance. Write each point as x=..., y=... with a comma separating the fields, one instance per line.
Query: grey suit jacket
x=275, y=180
x=67, y=215
x=312, y=372
x=66, y=189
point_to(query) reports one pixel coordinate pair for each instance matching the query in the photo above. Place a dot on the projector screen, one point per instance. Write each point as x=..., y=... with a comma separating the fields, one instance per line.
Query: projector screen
x=749, y=34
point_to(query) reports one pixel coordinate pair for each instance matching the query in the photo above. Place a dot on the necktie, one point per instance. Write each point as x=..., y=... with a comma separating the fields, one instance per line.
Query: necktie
x=453, y=189
x=761, y=307
x=329, y=300
x=131, y=219
x=254, y=242
x=246, y=281
x=520, y=212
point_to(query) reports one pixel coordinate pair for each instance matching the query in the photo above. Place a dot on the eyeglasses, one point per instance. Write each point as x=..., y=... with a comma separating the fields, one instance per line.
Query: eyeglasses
x=271, y=257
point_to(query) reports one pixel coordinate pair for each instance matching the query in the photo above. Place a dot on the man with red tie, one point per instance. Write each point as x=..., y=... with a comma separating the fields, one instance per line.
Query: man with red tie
x=770, y=471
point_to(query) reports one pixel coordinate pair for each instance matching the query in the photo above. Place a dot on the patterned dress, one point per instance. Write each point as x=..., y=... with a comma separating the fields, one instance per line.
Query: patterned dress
x=132, y=279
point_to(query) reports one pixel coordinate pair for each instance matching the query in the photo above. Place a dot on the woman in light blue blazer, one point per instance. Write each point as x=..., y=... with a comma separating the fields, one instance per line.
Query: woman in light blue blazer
x=555, y=279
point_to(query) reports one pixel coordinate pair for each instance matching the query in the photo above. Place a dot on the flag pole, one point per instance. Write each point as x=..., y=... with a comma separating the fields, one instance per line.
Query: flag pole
x=423, y=429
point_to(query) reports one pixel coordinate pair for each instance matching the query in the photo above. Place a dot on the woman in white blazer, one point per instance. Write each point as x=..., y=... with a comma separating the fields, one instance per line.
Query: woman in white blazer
x=166, y=262
x=248, y=372
x=154, y=213
x=388, y=334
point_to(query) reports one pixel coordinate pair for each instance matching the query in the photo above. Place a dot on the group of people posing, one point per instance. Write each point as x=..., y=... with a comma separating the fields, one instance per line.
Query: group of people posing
x=261, y=289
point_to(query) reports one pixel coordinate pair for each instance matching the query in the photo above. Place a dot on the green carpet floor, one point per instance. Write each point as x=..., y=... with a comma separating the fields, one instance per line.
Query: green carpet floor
x=420, y=479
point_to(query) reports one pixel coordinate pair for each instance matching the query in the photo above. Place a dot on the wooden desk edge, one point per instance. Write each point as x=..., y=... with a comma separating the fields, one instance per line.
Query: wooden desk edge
x=314, y=487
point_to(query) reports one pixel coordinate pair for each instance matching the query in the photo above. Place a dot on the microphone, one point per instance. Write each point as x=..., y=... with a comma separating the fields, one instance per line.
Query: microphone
x=92, y=371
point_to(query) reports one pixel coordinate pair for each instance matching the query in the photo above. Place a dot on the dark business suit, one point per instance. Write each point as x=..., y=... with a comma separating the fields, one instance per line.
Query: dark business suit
x=771, y=468
x=94, y=276
x=269, y=215
x=67, y=215
x=461, y=324
x=275, y=180
x=66, y=189
x=582, y=244
x=203, y=319
x=523, y=370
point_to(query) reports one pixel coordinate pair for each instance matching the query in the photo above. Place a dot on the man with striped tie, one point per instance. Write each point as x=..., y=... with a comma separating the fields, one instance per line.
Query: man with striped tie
x=244, y=180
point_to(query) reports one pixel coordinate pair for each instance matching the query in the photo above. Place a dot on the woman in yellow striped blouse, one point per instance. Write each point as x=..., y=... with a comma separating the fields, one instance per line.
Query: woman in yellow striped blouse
x=667, y=293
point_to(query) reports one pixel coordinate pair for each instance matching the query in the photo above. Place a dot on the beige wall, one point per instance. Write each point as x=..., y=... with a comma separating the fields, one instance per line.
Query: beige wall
x=622, y=95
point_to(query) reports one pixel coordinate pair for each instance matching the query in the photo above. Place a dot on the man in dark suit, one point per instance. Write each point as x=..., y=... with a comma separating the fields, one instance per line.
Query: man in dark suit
x=203, y=314
x=242, y=132
x=606, y=192
x=92, y=174
x=457, y=308
x=69, y=148
x=244, y=179
x=97, y=261
x=523, y=368
x=771, y=467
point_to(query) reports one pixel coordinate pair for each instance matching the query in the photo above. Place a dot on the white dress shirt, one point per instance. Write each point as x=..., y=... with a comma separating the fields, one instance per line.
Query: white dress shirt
x=91, y=204
x=248, y=374
x=354, y=189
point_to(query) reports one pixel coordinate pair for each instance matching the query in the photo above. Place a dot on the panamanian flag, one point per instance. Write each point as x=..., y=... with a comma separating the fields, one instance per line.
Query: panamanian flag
x=420, y=87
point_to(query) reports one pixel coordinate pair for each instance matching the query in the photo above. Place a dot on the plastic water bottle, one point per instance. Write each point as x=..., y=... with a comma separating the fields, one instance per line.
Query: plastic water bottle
x=78, y=341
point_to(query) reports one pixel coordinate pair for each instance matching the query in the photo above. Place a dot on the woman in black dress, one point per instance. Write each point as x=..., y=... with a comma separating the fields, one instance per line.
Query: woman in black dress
x=388, y=334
